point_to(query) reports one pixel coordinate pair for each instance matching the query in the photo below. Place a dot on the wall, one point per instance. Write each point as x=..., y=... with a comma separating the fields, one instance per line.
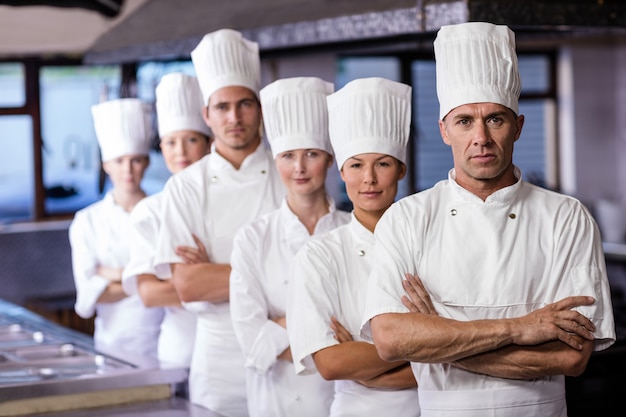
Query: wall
x=592, y=102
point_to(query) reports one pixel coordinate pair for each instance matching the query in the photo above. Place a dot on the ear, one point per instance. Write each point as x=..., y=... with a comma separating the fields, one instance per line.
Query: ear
x=205, y=115
x=330, y=161
x=402, y=172
x=520, y=124
x=443, y=132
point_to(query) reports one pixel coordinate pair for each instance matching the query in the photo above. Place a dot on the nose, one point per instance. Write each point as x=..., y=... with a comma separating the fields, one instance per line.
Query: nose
x=481, y=135
x=369, y=175
x=299, y=164
x=179, y=147
x=234, y=114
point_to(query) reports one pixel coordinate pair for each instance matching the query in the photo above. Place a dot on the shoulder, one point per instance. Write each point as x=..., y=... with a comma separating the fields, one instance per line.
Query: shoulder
x=259, y=227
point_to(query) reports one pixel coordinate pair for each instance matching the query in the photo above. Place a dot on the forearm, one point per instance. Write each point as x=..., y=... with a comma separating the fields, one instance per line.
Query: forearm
x=351, y=360
x=112, y=293
x=426, y=338
x=157, y=293
x=400, y=377
x=530, y=362
x=201, y=282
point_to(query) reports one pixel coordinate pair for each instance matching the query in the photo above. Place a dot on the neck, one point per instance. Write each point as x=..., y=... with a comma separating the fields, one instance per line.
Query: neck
x=236, y=156
x=483, y=188
x=126, y=199
x=309, y=208
x=368, y=219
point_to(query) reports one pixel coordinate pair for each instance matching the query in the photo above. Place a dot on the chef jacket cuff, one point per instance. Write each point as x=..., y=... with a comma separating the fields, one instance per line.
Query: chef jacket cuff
x=271, y=341
x=87, y=295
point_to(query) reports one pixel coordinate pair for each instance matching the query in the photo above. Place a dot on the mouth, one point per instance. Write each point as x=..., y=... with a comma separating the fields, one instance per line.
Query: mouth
x=484, y=158
x=370, y=193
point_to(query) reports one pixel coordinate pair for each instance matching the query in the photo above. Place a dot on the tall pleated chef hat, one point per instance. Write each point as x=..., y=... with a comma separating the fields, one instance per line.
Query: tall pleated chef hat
x=370, y=115
x=295, y=114
x=476, y=62
x=225, y=58
x=179, y=104
x=122, y=127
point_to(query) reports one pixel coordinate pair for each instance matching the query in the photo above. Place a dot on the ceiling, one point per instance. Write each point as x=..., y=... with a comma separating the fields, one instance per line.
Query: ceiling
x=165, y=29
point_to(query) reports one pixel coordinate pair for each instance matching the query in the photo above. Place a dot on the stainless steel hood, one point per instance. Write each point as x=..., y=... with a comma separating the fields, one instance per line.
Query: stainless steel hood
x=162, y=29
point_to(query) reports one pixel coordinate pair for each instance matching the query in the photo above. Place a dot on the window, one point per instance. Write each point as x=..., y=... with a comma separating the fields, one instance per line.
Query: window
x=69, y=176
x=70, y=152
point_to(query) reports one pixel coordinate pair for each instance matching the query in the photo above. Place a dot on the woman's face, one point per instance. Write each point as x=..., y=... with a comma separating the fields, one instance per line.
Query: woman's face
x=126, y=172
x=182, y=148
x=372, y=181
x=303, y=171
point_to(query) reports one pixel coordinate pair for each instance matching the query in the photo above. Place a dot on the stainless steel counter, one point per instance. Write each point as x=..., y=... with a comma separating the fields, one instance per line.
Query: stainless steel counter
x=47, y=369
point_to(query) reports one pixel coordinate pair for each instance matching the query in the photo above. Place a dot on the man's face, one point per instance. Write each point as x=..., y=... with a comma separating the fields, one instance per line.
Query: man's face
x=482, y=136
x=234, y=116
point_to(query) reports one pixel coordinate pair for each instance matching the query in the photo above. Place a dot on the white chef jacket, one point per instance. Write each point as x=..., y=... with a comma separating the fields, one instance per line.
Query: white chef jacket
x=212, y=199
x=521, y=249
x=126, y=328
x=262, y=253
x=178, y=328
x=329, y=279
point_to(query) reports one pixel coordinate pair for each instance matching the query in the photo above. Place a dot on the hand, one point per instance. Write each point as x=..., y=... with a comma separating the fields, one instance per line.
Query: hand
x=112, y=274
x=281, y=321
x=555, y=321
x=417, y=299
x=193, y=255
x=341, y=333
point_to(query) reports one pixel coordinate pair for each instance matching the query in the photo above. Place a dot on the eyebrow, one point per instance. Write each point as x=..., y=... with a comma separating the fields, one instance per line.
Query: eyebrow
x=488, y=116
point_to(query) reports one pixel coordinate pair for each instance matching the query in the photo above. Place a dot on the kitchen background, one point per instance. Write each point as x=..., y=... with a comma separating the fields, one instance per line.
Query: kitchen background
x=60, y=61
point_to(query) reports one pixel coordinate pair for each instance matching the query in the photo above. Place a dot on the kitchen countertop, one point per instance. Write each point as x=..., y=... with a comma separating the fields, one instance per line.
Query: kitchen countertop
x=43, y=365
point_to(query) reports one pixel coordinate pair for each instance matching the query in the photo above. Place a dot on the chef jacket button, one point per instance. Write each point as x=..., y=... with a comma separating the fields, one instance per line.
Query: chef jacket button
x=214, y=178
x=453, y=212
x=361, y=252
x=263, y=172
x=512, y=216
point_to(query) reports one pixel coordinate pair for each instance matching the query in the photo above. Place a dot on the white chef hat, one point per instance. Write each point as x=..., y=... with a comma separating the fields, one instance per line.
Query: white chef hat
x=225, y=58
x=370, y=115
x=476, y=63
x=122, y=127
x=295, y=114
x=179, y=104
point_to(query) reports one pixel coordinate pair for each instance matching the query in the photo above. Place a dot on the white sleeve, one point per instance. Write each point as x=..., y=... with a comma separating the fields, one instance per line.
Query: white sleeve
x=311, y=302
x=392, y=259
x=581, y=259
x=142, y=240
x=89, y=285
x=261, y=339
x=181, y=216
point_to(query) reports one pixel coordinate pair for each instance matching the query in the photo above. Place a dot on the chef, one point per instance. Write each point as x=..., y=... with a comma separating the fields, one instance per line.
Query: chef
x=369, y=124
x=296, y=122
x=515, y=272
x=99, y=236
x=184, y=139
x=236, y=183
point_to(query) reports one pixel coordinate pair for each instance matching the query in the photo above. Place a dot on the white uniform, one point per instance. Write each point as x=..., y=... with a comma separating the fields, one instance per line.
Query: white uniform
x=178, y=328
x=522, y=248
x=211, y=200
x=99, y=237
x=330, y=276
x=261, y=258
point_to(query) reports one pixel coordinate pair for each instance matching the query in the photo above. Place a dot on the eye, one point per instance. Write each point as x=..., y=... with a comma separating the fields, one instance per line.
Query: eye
x=312, y=154
x=247, y=104
x=496, y=120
